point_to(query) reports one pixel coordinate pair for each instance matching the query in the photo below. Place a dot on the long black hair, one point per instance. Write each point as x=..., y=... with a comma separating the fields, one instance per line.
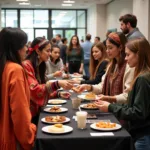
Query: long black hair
x=11, y=41
x=33, y=58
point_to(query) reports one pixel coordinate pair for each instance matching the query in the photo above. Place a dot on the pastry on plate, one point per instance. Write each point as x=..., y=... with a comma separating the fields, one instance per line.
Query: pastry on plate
x=76, y=90
x=90, y=96
x=105, y=125
x=57, y=128
x=55, y=109
x=55, y=118
x=90, y=105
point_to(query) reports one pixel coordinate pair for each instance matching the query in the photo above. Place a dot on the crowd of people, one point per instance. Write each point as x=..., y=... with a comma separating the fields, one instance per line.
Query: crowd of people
x=117, y=70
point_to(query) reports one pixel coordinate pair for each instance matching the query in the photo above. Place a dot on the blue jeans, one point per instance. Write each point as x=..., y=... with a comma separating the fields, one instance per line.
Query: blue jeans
x=86, y=67
x=143, y=143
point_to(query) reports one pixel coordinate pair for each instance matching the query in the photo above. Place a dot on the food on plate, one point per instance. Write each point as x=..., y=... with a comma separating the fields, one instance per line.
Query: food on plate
x=90, y=105
x=55, y=109
x=77, y=74
x=76, y=89
x=56, y=128
x=90, y=96
x=66, y=76
x=105, y=125
x=55, y=118
x=55, y=101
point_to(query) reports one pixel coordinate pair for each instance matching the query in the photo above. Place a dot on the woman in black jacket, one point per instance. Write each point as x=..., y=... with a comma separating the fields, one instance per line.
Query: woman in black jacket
x=98, y=64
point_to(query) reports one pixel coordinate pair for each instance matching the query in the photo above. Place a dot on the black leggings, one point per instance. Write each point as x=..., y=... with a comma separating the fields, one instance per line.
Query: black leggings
x=74, y=66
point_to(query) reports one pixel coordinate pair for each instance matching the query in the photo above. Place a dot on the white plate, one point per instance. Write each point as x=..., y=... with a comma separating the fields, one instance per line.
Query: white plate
x=77, y=79
x=83, y=97
x=52, y=80
x=82, y=106
x=93, y=126
x=84, y=92
x=56, y=101
x=67, y=129
x=76, y=76
x=62, y=110
x=67, y=120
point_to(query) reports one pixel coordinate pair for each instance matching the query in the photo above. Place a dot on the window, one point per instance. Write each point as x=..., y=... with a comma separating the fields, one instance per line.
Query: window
x=3, y=18
x=81, y=34
x=30, y=34
x=63, y=19
x=26, y=18
x=41, y=19
x=11, y=18
x=81, y=19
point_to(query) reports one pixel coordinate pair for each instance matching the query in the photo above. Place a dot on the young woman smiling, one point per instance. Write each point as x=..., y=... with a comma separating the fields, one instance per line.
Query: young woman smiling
x=116, y=81
x=98, y=64
x=35, y=68
x=54, y=66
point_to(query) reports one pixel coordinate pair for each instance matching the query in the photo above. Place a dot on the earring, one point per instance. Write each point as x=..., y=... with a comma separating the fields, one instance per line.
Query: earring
x=38, y=56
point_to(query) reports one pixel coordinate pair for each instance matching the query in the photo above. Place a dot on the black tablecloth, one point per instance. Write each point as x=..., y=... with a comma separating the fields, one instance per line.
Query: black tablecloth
x=81, y=139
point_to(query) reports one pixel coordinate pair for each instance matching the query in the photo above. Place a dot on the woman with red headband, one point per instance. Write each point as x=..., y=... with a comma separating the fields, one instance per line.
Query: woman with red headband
x=116, y=81
x=35, y=68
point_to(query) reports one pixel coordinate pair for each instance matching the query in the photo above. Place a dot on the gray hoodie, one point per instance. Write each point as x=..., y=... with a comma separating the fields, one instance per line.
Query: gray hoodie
x=51, y=68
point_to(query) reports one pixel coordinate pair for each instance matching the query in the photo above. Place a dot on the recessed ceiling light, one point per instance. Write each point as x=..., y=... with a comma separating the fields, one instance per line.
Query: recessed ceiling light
x=24, y=3
x=70, y=2
x=66, y=4
x=22, y=0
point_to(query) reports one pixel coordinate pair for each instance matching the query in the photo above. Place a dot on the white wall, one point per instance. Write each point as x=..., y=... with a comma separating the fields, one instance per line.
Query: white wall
x=115, y=9
x=91, y=21
x=141, y=10
x=96, y=24
x=101, y=21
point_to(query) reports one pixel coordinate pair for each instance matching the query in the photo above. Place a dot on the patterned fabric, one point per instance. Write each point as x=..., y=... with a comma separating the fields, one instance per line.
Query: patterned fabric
x=115, y=37
x=113, y=84
x=40, y=93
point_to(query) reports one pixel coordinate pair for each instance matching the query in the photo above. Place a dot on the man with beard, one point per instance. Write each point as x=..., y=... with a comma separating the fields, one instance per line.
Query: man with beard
x=128, y=26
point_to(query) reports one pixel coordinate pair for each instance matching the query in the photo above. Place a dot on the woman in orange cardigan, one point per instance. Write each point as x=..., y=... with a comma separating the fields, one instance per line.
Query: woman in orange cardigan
x=16, y=129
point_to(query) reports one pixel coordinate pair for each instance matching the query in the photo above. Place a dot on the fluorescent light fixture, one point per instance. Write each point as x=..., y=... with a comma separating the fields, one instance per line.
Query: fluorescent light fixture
x=24, y=3
x=69, y=2
x=66, y=4
x=22, y=0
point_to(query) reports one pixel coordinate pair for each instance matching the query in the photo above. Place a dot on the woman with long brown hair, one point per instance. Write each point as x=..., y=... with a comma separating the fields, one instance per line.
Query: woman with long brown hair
x=35, y=67
x=115, y=83
x=98, y=64
x=137, y=111
x=75, y=56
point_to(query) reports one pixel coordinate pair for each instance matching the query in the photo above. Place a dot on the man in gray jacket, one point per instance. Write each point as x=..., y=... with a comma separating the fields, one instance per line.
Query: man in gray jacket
x=128, y=26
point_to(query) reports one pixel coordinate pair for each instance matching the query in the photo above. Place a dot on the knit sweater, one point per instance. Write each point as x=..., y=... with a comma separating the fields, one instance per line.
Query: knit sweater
x=51, y=68
x=15, y=117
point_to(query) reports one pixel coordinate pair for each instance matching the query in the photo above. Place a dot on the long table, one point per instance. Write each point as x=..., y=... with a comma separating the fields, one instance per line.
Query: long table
x=82, y=139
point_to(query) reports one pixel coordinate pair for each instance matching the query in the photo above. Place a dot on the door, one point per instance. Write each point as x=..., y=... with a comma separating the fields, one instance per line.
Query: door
x=41, y=33
x=67, y=33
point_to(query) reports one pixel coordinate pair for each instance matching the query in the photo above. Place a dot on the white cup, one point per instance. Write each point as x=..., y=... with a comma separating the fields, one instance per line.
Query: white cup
x=76, y=102
x=81, y=119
